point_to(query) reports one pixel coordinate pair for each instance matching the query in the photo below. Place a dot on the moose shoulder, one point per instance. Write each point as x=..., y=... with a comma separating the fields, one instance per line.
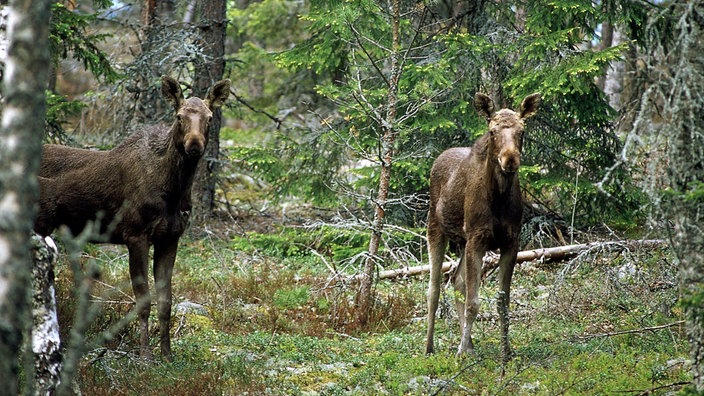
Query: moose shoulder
x=139, y=193
x=476, y=206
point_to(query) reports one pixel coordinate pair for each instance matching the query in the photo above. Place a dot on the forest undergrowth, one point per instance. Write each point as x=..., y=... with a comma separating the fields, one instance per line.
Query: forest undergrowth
x=274, y=315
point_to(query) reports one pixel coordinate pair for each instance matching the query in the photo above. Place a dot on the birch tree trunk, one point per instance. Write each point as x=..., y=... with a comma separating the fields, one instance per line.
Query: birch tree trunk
x=21, y=131
x=46, y=343
x=387, y=153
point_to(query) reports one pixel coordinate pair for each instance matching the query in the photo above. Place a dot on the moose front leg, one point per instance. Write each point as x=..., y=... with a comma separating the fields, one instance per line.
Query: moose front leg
x=138, y=249
x=507, y=262
x=164, y=257
x=437, y=243
x=474, y=252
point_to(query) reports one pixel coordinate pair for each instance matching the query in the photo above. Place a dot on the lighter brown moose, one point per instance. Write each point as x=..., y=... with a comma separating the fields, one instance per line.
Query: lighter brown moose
x=476, y=206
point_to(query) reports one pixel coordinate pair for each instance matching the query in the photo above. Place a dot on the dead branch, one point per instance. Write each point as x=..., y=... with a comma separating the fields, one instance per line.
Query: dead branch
x=278, y=121
x=564, y=252
x=491, y=260
x=632, y=331
x=656, y=389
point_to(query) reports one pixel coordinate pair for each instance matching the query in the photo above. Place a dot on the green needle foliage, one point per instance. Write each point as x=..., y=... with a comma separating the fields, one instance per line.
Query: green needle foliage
x=550, y=47
x=68, y=37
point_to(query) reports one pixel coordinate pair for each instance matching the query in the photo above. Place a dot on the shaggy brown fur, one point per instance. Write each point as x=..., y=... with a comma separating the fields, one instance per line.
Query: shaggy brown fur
x=476, y=206
x=139, y=193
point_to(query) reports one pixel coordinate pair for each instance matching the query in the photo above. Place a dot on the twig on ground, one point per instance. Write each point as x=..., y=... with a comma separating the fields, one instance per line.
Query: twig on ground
x=491, y=260
x=657, y=388
x=632, y=331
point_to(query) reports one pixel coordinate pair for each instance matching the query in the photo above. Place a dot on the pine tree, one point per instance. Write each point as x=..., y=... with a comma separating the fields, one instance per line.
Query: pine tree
x=448, y=51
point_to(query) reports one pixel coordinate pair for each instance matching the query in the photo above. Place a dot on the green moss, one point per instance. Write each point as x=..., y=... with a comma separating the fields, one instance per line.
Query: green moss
x=279, y=327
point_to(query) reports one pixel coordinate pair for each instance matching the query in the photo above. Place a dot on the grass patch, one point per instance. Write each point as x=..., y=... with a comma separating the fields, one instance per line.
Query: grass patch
x=277, y=325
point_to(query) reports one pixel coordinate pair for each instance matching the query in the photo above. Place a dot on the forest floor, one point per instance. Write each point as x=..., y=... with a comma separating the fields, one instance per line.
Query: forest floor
x=274, y=316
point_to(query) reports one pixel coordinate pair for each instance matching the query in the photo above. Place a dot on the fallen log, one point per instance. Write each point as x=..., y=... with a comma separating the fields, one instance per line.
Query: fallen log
x=491, y=259
x=568, y=251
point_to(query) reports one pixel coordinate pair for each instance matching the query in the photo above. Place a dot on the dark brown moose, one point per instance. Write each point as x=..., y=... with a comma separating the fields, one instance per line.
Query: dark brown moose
x=139, y=192
x=476, y=206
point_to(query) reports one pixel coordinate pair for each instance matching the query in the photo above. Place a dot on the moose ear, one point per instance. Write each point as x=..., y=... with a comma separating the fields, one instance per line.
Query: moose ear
x=530, y=105
x=171, y=90
x=484, y=105
x=218, y=94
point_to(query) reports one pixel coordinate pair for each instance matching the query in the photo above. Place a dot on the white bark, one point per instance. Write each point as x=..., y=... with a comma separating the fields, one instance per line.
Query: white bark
x=45, y=329
x=613, y=83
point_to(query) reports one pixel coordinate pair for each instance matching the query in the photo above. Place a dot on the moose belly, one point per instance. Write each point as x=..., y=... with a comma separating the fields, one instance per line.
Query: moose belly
x=451, y=218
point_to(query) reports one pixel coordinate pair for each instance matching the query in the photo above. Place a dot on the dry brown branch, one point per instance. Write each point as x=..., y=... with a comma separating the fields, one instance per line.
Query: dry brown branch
x=563, y=252
x=632, y=331
x=656, y=389
x=558, y=253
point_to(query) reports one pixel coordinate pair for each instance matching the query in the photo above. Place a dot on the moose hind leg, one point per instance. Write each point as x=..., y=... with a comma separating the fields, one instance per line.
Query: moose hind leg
x=458, y=283
x=507, y=262
x=164, y=257
x=472, y=281
x=139, y=260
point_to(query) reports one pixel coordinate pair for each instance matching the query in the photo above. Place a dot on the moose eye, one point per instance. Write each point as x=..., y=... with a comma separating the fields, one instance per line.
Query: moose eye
x=179, y=118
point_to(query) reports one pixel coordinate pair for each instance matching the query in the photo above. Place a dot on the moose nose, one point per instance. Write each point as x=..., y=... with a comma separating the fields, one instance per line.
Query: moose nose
x=194, y=147
x=510, y=161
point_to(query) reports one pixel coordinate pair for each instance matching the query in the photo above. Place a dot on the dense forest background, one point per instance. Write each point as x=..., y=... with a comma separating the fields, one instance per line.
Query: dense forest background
x=322, y=155
x=312, y=82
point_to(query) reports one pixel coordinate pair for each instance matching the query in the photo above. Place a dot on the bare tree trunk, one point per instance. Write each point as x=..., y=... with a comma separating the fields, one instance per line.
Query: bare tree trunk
x=387, y=153
x=615, y=75
x=213, y=25
x=670, y=125
x=607, y=39
x=157, y=12
x=633, y=83
x=190, y=10
x=686, y=156
x=155, y=15
x=24, y=82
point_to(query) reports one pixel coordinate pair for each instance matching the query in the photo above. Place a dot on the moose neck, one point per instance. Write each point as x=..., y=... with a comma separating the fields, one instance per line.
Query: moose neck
x=500, y=182
x=183, y=168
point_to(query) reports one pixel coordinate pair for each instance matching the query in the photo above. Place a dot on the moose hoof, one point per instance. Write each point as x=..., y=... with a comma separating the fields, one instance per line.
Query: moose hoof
x=465, y=352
